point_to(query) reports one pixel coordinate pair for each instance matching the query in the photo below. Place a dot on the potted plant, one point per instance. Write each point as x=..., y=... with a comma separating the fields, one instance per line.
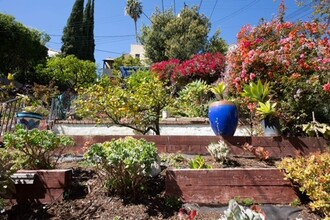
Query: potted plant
x=223, y=114
x=269, y=118
x=258, y=93
x=36, y=104
x=32, y=112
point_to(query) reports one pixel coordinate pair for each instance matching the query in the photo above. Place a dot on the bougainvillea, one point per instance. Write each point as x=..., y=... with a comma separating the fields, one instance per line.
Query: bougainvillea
x=165, y=68
x=208, y=67
x=294, y=57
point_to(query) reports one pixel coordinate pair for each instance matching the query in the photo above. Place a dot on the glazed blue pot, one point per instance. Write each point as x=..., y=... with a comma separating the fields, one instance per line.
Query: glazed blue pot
x=29, y=120
x=223, y=117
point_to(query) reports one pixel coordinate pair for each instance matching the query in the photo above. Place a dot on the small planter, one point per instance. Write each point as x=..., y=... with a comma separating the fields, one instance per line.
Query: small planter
x=29, y=120
x=41, y=186
x=218, y=186
x=271, y=126
x=223, y=116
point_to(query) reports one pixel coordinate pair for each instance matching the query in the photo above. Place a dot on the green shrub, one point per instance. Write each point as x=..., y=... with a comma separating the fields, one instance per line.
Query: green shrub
x=312, y=175
x=127, y=163
x=192, y=100
x=34, y=149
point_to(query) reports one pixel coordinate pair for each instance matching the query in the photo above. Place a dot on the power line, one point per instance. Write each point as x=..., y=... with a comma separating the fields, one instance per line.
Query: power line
x=237, y=11
x=304, y=15
x=215, y=4
x=100, y=36
x=107, y=51
x=200, y=5
x=299, y=11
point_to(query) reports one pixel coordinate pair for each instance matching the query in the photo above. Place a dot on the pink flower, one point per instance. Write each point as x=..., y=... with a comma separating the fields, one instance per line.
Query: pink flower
x=252, y=76
x=252, y=107
x=326, y=87
x=259, y=40
x=247, y=44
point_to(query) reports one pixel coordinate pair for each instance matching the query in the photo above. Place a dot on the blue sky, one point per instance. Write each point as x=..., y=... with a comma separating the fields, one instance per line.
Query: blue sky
x=114, y=31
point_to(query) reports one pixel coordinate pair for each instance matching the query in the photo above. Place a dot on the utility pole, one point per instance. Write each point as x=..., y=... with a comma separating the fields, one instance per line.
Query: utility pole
x=174, y=7
x=163, y=6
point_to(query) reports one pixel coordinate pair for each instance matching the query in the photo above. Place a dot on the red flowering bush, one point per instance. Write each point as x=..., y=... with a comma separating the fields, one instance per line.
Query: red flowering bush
x=165, y=68
x=207, y=67
x=295, y=58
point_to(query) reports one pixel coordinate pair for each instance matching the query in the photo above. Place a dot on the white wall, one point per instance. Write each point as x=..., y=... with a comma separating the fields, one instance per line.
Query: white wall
x=91, y=129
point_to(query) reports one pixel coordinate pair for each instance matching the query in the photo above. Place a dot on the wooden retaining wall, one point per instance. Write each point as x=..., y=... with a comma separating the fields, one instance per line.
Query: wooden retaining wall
x=218, y=186
x=277, y=146
x=48, y=186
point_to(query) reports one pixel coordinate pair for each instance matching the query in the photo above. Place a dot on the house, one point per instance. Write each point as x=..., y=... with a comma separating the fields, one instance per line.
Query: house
x=137, y=51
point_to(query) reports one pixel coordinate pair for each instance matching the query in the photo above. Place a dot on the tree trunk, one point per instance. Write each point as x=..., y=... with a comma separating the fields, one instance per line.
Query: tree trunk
x=136, y=34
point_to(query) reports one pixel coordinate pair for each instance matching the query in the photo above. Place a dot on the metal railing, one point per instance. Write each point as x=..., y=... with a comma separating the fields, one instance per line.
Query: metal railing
x=8, y=111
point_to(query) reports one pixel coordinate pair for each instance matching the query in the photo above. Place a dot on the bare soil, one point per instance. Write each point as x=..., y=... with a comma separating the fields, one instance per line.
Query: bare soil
x=88, y=199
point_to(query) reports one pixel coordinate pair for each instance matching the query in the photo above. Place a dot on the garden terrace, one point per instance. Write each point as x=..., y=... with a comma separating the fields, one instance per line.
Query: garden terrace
x=219, y=185
x=277, y=146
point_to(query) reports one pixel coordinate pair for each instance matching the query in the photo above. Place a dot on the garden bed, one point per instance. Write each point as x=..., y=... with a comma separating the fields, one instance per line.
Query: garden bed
x=87, y=199
x=262, y=183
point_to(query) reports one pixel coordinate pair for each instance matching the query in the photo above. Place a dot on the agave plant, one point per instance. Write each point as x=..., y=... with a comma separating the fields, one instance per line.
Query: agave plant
x=218, y=90
x=267, y=109
x=257, y=92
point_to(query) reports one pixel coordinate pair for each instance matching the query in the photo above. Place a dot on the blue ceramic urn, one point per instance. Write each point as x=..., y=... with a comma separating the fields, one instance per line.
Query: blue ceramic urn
x=223, y=117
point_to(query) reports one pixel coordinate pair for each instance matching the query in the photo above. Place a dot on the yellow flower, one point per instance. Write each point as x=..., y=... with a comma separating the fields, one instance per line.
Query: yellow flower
x=10, y=77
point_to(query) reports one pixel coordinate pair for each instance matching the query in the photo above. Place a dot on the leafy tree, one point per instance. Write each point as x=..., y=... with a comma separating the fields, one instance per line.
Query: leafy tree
x=69, y=72
x=175, y=37
x=134, y=10
x=136, y=103
x=216, y=44
x=21, y=48
x=88, y=30
x=124, y=60
x=154, y=37
x=188, y=34
x=73, y=32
